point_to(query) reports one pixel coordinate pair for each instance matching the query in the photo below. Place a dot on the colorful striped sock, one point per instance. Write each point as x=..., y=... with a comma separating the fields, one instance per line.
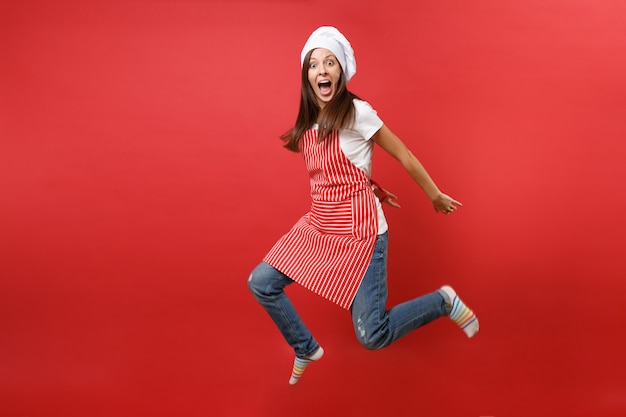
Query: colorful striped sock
x=300, y=363
x=461, y=314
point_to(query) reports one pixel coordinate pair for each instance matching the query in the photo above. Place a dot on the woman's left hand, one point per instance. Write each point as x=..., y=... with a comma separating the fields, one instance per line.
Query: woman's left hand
x=445, y=204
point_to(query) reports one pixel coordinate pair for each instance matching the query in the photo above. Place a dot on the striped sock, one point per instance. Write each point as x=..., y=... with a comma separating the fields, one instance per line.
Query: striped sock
x=461, y=314
x=300, y=363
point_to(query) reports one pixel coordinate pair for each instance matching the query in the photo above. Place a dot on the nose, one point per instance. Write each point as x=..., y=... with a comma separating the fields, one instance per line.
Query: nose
x=322, y=70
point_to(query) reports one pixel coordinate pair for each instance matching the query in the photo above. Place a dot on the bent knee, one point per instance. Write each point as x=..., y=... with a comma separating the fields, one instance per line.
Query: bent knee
x=371, y=339
x=372, y=343
x=261, y=280
x=255, y=282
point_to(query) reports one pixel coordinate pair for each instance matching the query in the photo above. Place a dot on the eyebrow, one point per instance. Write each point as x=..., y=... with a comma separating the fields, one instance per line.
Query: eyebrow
x=326, y=57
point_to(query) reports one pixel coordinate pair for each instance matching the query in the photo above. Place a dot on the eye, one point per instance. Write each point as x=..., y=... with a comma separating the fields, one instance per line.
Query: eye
x=312, y=65
x=330, y=62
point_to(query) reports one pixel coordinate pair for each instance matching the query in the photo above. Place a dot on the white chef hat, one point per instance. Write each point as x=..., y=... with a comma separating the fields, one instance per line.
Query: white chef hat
x=330, y=38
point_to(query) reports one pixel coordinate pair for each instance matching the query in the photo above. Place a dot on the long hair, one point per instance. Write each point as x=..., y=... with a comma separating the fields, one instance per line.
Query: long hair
x=338, y=113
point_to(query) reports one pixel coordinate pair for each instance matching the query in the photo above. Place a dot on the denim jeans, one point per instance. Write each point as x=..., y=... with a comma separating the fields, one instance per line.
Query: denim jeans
x=374, y=325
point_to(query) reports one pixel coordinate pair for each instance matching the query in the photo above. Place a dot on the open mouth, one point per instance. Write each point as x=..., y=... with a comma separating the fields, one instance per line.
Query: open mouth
x=325, y=87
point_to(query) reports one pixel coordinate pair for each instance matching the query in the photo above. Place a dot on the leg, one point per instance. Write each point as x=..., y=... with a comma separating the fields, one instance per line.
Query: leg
x=267, y=285
x=375, y=326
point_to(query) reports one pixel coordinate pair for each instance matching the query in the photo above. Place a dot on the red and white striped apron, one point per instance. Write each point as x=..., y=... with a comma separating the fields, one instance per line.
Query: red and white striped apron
x=329, y=249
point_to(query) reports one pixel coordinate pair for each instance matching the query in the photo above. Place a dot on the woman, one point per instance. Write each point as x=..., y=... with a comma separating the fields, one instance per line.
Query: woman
x=339, y=249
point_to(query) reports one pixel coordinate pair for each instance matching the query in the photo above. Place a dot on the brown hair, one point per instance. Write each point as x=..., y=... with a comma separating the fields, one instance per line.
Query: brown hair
x=338, y=113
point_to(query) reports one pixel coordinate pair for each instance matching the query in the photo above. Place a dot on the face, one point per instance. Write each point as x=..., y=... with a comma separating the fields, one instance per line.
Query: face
x=324, y=74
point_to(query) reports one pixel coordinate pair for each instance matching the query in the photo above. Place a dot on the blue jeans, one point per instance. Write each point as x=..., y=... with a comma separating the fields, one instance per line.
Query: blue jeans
x=374, y=325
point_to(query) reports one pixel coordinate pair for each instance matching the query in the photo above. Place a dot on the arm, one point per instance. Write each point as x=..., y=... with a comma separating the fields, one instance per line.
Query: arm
x=392, y=144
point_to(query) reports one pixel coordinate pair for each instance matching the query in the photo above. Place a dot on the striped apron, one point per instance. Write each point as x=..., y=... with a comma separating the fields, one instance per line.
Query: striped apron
x=329, y=249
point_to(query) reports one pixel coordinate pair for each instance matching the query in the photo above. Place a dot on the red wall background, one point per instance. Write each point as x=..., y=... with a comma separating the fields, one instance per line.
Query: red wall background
x=141, y=180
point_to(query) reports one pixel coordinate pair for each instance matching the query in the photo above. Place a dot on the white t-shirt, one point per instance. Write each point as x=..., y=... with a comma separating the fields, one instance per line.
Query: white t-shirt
x=358, y=147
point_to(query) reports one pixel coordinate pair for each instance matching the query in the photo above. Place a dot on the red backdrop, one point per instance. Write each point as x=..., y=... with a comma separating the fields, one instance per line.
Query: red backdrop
x=142, y=179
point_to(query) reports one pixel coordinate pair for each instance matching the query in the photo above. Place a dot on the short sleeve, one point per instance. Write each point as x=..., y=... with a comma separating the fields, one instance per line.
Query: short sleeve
x=366, y=120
